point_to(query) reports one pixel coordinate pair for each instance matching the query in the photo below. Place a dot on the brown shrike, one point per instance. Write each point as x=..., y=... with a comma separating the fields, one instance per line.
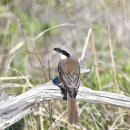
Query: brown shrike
x=69, y=73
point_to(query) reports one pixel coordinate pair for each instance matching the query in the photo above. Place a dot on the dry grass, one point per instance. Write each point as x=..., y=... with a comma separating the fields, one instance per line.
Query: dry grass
x=27, y=37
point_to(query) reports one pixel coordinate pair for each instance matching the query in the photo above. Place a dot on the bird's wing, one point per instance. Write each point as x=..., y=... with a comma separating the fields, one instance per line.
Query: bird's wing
x=71, y=83
x=69, y=72
x=71, y=79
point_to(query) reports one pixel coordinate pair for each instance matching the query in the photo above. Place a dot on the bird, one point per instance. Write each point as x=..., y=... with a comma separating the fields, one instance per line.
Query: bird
x=69, y=74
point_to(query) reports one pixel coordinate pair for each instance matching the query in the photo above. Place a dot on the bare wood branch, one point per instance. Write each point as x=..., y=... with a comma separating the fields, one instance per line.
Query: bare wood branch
x=17, y=107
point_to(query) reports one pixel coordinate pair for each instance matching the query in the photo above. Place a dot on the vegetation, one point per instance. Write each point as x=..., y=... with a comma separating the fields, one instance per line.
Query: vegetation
x=29, y=30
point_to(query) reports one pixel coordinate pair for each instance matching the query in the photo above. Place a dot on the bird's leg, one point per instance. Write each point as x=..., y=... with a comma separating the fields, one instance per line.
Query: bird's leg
x=56, y=81
x=64, y=93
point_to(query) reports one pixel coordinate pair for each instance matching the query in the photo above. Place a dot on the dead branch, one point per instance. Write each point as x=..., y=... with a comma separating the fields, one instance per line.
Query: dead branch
x=15, y=108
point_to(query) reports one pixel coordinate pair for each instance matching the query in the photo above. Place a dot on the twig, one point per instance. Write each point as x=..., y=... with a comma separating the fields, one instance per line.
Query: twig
x=13, y=78
x=22, y=43
x=86, y=44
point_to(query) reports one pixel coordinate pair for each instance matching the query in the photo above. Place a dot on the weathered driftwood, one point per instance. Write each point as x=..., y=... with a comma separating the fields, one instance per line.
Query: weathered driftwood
x=17, y=107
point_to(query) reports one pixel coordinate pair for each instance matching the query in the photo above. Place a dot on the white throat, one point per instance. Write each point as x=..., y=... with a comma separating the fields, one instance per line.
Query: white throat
x=63, y=57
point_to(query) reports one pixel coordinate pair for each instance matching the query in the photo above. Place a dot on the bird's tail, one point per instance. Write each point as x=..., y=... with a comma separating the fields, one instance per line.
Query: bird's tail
x=73, y=117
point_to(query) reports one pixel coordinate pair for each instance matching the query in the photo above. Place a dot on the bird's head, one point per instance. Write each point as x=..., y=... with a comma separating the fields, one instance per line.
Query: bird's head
x=64, y=53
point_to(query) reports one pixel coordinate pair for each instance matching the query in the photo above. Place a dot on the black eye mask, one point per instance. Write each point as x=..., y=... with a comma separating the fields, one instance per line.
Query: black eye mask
x=62, y=52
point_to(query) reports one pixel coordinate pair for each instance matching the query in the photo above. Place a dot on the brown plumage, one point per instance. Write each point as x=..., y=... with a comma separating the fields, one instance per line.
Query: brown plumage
x=69, y=72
